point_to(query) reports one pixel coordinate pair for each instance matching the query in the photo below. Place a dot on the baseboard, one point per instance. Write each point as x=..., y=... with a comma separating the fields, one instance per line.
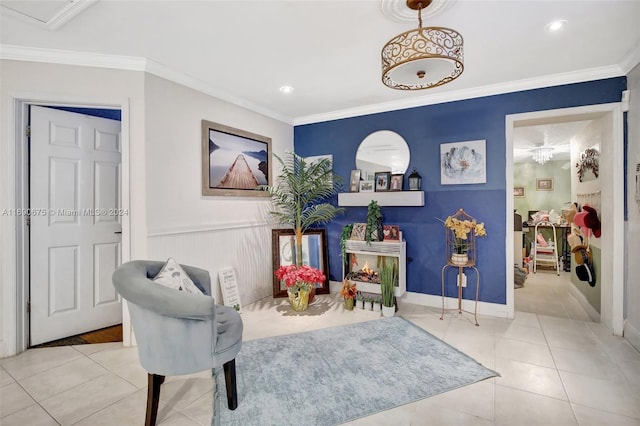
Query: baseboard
x=484, y=308
x=582, y=300
x=632, y=335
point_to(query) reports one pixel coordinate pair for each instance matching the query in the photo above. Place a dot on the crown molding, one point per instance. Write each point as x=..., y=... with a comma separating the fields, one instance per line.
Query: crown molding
x=65, y=14
x=67, y=57
x=458, y=95
x=631, y=60
x=130, y=63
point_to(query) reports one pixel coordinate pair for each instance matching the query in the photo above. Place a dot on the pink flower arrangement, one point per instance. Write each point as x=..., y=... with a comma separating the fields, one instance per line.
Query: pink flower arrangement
x=299, y=278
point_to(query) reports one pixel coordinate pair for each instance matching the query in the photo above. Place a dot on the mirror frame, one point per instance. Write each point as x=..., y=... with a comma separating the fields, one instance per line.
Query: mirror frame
x=276, y=236
x=375, y=137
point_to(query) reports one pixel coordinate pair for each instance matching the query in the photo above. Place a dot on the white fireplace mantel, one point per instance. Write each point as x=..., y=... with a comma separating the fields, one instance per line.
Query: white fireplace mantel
x=391, y=249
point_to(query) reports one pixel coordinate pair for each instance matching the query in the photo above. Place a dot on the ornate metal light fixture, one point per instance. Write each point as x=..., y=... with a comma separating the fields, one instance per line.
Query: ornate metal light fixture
x=542, y=154
x=422, y=58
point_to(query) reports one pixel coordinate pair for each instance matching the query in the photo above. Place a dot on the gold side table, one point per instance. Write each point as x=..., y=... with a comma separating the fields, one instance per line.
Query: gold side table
x=461, y=268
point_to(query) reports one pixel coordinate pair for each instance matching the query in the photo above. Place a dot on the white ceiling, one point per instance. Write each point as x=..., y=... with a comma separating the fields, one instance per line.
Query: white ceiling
x=329, y=50
x=555, y=136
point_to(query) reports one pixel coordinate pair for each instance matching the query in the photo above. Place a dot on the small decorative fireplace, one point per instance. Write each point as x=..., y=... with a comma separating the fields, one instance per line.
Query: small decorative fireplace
x=364, y=262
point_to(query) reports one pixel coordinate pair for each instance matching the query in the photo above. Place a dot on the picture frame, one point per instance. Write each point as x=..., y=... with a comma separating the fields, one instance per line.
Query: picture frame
x=383, y=180
x=519, y=191
x=544, y=184
x=396, y=182
x=314, y=253
x=463, y=162
x=358, y=231
x=234, y=162
x=391, y=233
x=354, y=181
x=367, y=186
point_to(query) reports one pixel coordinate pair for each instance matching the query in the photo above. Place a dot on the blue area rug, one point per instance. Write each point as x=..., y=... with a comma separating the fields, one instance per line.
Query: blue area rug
x=334, y=375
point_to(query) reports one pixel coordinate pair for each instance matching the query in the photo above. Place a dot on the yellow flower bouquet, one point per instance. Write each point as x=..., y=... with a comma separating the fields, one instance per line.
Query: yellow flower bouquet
x=461, y=230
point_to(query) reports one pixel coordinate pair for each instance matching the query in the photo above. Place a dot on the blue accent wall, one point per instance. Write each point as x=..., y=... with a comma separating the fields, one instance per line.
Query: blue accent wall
x=424, y=129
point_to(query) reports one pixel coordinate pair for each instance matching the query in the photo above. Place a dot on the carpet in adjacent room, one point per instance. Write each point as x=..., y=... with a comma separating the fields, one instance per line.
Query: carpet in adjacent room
x=334, y=375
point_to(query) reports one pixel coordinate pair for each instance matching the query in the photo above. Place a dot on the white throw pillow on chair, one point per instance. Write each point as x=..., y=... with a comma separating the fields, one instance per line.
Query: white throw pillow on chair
x=173, y=276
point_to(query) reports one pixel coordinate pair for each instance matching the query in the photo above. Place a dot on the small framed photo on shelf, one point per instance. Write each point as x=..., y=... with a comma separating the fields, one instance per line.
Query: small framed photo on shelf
x=396, y=182
x=518, y=191
x=366, y=186
x=391, y=233
x=354, y=182
x=383, y=180
x=545, y=184
x=358, y=231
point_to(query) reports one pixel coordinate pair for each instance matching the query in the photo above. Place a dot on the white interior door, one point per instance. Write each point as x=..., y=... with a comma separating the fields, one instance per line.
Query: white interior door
x=75, y=223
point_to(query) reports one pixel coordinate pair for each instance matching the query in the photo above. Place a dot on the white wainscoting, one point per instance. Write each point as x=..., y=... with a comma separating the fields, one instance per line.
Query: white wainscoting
x=244, y=246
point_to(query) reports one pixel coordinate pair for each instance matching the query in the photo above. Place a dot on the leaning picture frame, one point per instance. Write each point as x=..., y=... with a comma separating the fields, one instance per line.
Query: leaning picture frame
x=354, y=181
x=367, y=186
x=383, y=180
x=234, y=162
x=396, y=182
x=314, y=253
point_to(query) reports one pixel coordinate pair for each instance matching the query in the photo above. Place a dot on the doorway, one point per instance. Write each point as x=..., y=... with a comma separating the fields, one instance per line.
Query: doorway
x=612, y=200
x=15, y=244
x=544, y=155
x=74, y=224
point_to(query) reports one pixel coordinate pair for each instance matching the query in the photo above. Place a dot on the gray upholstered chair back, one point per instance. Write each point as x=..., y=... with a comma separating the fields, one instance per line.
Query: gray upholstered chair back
x=178, y=332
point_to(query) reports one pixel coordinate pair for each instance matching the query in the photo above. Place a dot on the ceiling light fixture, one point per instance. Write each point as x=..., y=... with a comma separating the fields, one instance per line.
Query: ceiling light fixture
x=286, y=89
x=422, y=58
x=542, y=154
x=556, y=25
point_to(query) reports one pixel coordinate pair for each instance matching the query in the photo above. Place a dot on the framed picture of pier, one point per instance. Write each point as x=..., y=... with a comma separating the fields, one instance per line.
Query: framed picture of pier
x=234, y=162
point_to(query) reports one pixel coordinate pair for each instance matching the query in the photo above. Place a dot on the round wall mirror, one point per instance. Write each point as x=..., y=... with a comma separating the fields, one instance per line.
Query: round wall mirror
x=382, y=151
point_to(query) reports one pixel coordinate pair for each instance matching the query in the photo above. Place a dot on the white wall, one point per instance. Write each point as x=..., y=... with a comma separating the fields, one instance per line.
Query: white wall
x=63, y=84
x=205, y=231
x=168, y=215
x=632, y=266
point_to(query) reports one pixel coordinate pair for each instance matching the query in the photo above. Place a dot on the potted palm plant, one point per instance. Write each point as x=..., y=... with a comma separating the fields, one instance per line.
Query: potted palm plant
x=388, y=278
x=299, y=196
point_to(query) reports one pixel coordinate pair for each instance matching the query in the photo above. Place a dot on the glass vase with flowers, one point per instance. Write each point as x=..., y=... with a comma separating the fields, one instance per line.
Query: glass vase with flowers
x=300, y=280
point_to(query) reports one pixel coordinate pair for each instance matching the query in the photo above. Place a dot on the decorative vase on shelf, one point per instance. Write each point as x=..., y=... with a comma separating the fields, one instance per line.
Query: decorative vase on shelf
x=348, y=304
x=459, y=259
x=299, y=301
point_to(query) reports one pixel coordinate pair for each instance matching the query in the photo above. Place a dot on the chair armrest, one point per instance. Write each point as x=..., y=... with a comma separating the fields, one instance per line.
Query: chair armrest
x=130, y=280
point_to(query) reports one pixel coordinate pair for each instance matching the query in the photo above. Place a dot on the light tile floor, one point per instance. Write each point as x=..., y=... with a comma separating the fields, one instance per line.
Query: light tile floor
x=554, y=371
x=548, y=294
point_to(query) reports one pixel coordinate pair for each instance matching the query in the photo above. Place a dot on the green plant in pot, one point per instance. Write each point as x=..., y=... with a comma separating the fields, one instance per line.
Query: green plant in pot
x=299, y=196
x=374, y=223
x=388, y=278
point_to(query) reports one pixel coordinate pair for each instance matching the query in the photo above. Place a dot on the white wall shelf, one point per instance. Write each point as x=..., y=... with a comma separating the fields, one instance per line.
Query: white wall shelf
x=390, y=199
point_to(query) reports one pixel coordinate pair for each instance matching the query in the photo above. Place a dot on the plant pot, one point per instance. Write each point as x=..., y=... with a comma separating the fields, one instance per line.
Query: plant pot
x=388, y=311
x=376, y=306
x=459, y=259
x=348, y=304
x=299, y=301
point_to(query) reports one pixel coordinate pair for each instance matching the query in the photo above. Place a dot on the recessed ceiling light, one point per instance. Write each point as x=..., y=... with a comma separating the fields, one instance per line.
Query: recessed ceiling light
x=556, y=25
x=286, y=89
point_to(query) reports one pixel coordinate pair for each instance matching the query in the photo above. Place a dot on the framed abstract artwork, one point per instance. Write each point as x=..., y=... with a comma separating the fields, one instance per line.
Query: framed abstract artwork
x=463, y=162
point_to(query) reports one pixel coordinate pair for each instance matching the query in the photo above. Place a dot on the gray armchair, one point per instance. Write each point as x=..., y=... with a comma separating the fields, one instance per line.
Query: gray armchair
x=178, y=332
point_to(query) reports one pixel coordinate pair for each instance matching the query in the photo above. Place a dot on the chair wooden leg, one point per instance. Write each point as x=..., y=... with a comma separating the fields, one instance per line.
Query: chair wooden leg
x=153, y=396
x=230, y=381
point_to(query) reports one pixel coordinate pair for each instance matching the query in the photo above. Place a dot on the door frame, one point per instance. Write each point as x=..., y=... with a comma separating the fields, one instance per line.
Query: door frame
x=612, y=315
x=14, y=241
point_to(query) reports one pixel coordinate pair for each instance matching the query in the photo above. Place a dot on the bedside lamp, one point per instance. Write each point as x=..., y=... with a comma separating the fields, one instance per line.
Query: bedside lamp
x=415, y=181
